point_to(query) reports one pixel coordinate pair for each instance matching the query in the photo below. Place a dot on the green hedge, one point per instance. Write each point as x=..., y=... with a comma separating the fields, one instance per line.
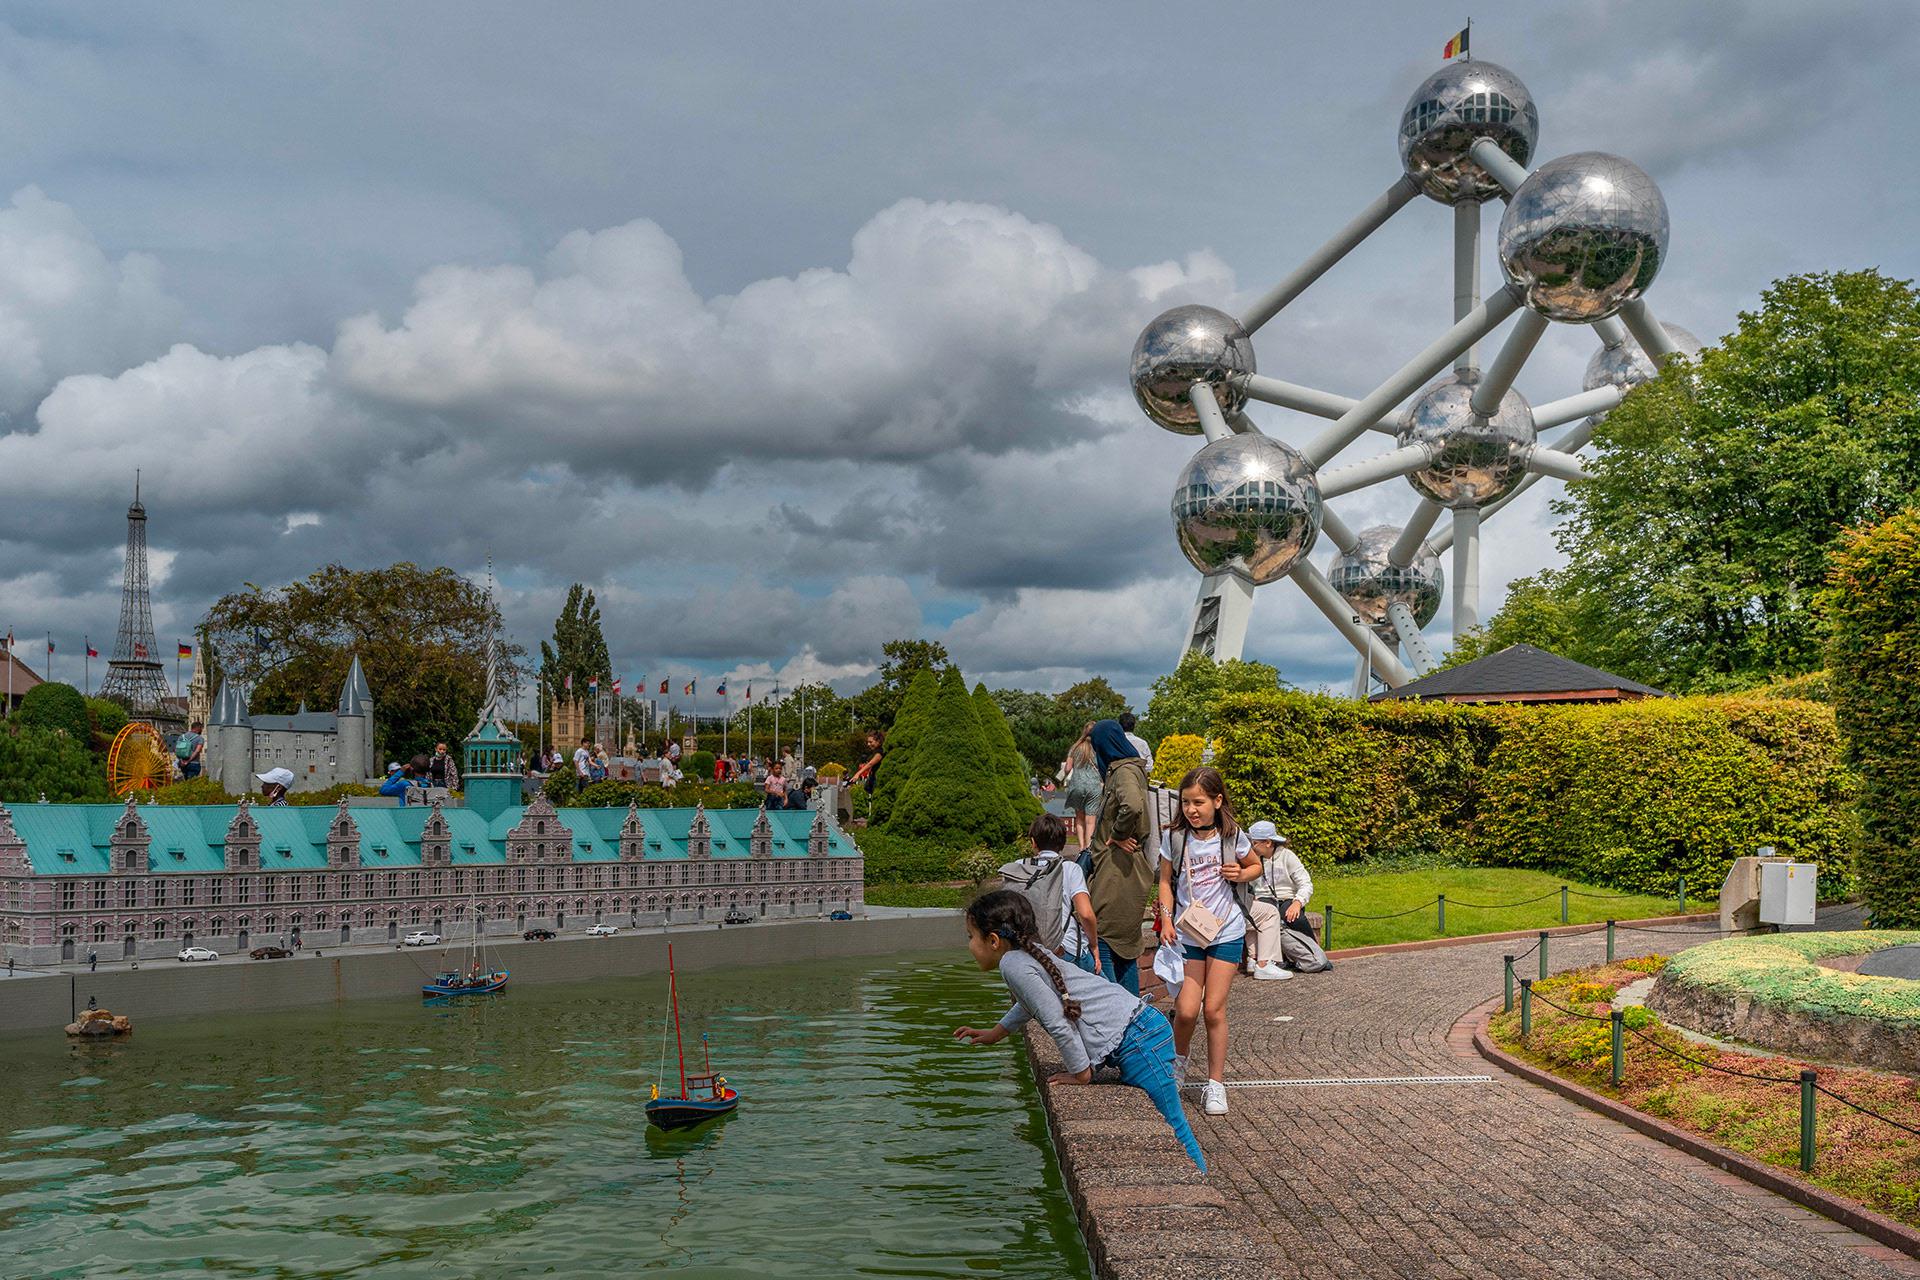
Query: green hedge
x=1872, y=609
x=1632, y=795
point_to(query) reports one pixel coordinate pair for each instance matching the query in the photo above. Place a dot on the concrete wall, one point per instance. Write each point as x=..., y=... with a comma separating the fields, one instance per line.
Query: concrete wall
x=170, y=989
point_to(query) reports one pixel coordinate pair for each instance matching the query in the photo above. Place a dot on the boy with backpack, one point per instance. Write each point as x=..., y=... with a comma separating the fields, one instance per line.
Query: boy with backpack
x=1056, y=888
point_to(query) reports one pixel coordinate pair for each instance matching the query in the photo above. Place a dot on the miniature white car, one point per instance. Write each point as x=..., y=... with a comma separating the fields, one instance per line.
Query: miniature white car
x=603, y=931
x=422, y=938
x=199, y=953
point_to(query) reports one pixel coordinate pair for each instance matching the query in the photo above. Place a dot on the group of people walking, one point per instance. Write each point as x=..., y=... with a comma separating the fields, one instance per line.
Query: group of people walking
x=1222, y=897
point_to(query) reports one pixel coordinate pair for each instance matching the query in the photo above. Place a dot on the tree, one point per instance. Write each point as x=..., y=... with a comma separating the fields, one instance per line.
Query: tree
x=579, y=650
x=1538, y=611
x=108, y=719
x=421, y=636
x=952, y=794
x=1872, y=607
x=902, y=740
x=1008, y=764
x=1701, y=534
x=1093, y=699
x=901, y=660
x=1183, y=700
x=36, y=762
x=1041, y=731
x=58, y=708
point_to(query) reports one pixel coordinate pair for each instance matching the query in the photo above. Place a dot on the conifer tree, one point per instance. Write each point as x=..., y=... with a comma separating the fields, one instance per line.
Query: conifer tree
x=953, y=795
x=921, y=693
x=1006, y=757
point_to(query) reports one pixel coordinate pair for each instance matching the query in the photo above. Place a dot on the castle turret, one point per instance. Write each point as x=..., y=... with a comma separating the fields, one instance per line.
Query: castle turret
x=354, y=718
x=232, y=730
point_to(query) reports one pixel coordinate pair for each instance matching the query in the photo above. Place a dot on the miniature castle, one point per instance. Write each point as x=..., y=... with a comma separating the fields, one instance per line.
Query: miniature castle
x=322, y=748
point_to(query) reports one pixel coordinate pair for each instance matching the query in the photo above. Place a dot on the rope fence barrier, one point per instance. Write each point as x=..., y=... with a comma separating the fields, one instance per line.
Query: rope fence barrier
x=1439, y=903
x=1808, y=1080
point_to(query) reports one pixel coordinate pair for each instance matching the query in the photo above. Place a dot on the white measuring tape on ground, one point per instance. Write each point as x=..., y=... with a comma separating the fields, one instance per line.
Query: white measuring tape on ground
x=1325, y=1083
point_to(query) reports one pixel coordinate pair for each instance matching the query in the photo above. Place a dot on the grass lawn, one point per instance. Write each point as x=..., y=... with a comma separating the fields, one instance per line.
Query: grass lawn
x=895, y=894
x=1385, y=893
x=1855, y=1155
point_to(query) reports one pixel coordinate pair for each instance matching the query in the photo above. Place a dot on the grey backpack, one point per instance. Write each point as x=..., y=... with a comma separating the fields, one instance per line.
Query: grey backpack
x=1039, y=883
x=1303, y=952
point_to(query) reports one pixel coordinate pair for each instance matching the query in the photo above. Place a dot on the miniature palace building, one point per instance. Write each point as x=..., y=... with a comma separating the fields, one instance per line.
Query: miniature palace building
x=143, y=881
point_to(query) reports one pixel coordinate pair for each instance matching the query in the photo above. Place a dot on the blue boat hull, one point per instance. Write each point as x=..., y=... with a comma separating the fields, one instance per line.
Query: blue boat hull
x=496, y=981
x=684, y=1113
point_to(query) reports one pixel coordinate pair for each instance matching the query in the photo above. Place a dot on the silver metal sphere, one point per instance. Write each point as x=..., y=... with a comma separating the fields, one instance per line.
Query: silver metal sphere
x=1249, y=505
x=1371, y=584
x=1584, y=236
x=1181, y=347
x=1455, y=106
x=1476, y=459
x=1627, y=366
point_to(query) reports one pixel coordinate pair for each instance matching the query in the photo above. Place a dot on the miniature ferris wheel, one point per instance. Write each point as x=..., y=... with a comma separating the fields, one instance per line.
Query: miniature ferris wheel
x=138, y=760
x=1581, y=239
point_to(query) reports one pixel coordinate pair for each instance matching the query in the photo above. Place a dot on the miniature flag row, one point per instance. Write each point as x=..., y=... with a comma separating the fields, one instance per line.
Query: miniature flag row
x=139, y=650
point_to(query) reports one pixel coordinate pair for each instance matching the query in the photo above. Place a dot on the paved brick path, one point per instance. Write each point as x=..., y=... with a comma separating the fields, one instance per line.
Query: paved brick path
x=1503, y=1179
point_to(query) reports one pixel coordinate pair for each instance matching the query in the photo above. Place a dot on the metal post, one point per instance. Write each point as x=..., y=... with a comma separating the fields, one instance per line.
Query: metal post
x=1807, y=1079
x=1609, y=942
x=1508, y=1006
x=1683, y=895
x=1415, y=644
x=1466, y=572
x=1543, y=953
x=1326, y=926
x=1369, y=220
x=1526, y=1007
x=1466, y=274
x=1563, y=904
x=1442, y=901
x=1513, y=353
x=1213, y=423
x=1619, y=1046
x=1419, y=525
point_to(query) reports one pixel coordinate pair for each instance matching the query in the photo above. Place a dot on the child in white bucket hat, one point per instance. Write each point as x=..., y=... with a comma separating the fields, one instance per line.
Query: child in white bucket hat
x=1280, y=899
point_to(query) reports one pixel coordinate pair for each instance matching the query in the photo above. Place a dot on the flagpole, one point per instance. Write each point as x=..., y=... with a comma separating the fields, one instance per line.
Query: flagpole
x=86, y=664
x=49, y=657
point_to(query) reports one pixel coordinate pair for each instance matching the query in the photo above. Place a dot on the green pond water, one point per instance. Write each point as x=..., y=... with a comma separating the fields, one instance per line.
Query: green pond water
x=505, y=1136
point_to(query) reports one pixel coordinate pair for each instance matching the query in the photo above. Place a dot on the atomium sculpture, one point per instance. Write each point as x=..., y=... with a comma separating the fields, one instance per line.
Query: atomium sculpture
x=1581, y=240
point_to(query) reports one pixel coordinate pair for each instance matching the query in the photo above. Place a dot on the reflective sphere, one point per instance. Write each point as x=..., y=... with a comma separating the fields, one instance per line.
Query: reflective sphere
x=1370, y=584
x=1457, y=105
x=1476, y=460
x=1627, y=366
x=1184, y=346
x=1247, y=504
x=1584, y=236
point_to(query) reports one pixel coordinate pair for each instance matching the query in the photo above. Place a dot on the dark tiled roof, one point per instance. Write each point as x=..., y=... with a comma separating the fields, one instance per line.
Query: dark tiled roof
x=1517, y=669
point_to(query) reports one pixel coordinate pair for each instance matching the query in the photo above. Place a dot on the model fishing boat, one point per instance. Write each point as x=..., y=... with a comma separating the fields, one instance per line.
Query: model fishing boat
x=480, y=977
x=702, y=1097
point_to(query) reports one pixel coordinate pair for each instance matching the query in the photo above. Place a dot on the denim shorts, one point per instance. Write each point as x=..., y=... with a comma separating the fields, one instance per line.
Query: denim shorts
x=1230, y=952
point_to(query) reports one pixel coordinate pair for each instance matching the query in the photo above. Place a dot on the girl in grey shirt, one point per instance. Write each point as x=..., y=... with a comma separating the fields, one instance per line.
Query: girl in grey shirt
x=1090, y=1019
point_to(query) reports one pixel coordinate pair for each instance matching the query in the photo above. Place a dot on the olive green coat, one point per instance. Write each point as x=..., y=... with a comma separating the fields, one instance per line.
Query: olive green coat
x=1122, y=882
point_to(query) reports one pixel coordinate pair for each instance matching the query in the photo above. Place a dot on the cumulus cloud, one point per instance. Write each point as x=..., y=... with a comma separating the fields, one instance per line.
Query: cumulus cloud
x=65, y=306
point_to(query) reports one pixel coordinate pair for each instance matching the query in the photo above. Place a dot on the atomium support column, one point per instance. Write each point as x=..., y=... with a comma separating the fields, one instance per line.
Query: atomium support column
x=1500, y=166
x=1506, y=366
x=1466, y=572
x=1369, y=220
x=1466, y=275
x=1649, y=332
x=1358, y=475
x=1213, y=423
x=1557, y=413
x=1419, y=524
x=1288, y=395
x=1314, y=585
x=1218, y=627
x=1551, y=462
x=1419, y=653
x=1362, y=676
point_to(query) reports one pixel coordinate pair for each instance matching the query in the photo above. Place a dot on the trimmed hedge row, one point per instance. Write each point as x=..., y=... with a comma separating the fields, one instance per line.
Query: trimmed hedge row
x=1632, y=795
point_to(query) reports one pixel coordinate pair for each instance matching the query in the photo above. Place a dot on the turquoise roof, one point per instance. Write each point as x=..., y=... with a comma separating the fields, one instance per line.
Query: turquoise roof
x=192, y=838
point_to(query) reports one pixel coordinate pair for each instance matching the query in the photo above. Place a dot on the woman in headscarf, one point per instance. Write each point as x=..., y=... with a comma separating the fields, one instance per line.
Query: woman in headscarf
x=1123, y=861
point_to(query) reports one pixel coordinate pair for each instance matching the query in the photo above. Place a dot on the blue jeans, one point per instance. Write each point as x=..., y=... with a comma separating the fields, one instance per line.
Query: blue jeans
x=1120, y=969
x=1087, y=961
x=1145, y=1060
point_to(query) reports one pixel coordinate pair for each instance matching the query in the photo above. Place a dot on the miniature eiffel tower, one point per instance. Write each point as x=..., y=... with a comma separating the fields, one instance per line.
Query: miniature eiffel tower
x=135, y=675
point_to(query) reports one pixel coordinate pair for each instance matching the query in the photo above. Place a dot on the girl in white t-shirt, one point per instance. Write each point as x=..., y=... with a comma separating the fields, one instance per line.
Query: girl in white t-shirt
x=1196, y=911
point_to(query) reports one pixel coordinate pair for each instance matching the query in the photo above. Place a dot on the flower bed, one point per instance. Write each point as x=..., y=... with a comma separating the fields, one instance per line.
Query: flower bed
x=1770, y=991
x=1857, y=1156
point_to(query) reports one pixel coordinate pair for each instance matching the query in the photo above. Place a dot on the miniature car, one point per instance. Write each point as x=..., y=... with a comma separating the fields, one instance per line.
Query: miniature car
x=422, y=938
x=199, y=953
x=603, y=931
x=841, y=915
x=269, y=953
x=538, y=935
x=736, y=916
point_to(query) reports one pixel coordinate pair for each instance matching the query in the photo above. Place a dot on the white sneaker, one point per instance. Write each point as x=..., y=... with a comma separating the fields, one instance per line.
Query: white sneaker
x=1216, y=1099
x=1271, y=973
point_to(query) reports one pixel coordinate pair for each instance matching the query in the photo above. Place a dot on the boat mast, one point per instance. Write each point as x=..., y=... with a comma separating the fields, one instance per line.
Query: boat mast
x=673, y=992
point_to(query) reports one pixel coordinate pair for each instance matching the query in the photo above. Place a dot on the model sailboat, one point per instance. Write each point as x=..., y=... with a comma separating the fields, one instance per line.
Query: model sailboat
x=478, y=978
x=702, y=1097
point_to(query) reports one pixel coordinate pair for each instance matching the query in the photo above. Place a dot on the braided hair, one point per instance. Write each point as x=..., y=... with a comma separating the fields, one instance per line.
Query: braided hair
x=1010, y=916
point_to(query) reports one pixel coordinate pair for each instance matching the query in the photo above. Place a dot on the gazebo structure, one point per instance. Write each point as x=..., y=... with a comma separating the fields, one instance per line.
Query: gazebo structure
x=1522, y=673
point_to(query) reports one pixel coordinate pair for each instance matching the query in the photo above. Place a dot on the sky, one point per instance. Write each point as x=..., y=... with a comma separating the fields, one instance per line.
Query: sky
x=793, y=329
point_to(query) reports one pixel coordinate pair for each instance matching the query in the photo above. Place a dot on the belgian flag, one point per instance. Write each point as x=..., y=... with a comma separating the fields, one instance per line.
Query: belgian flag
x=1457, y=45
